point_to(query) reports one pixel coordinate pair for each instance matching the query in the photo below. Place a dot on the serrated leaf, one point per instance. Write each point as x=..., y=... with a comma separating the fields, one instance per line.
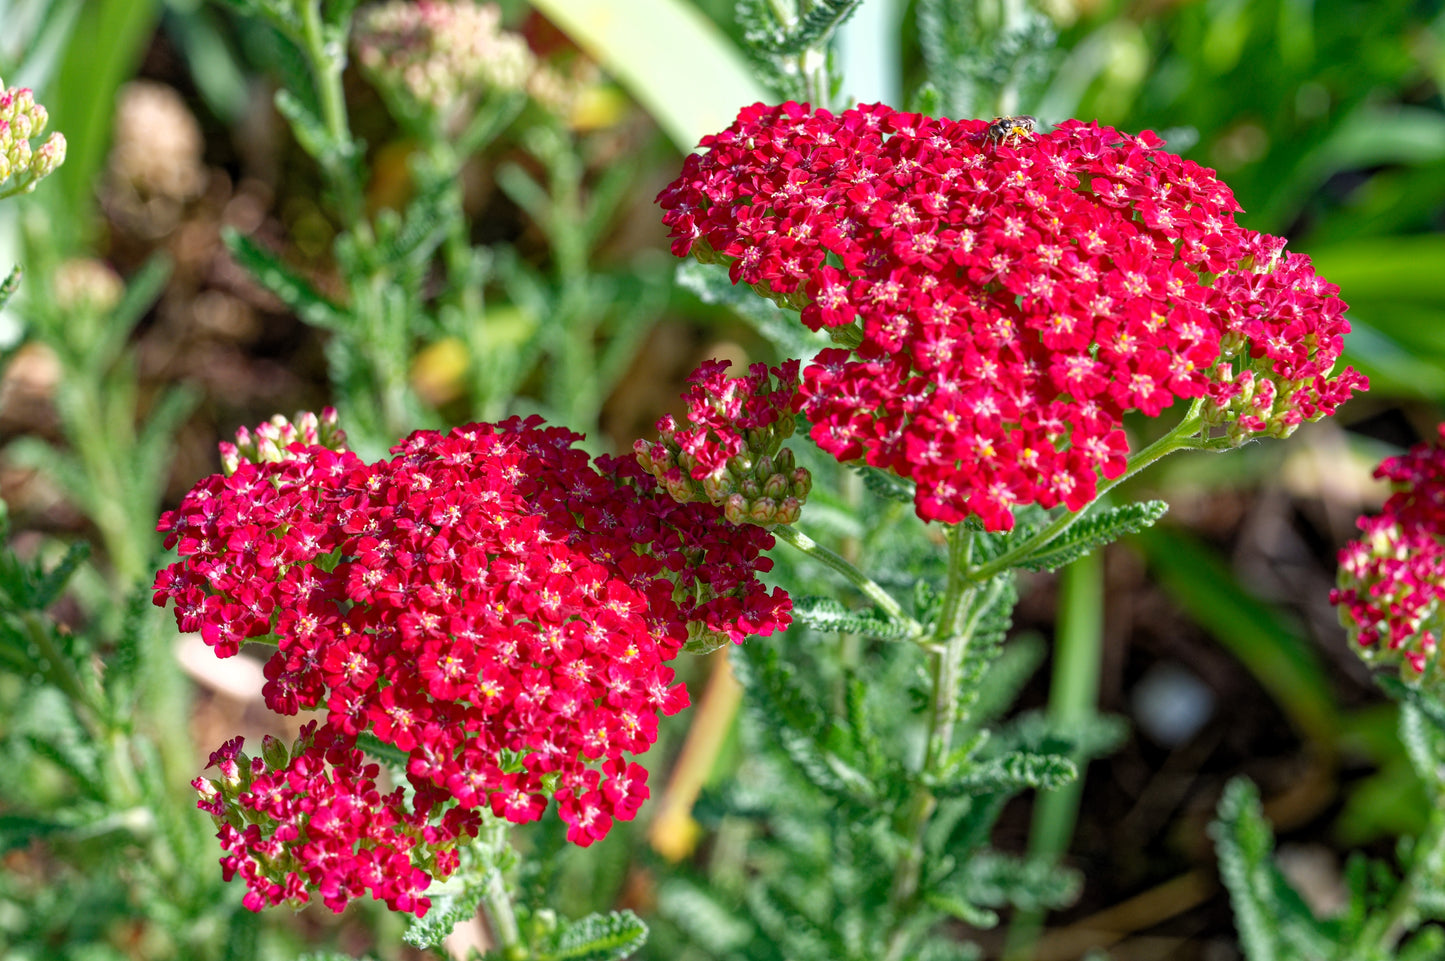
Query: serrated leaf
x=20, y=830
x=373, y=746
x=1273, y=920
x=956, y=907
x=814, y=29
x=308, y=129
x=448, y=909
x=49, y=585
x=830, y=616
x=289, y=286
x=886, y=484
x=1010, y=773
x=1094, y=531
x=10, y=284
x=598, y=937
x=74, y=755
x=789, y=717
x=997, y=880
x=710, y=923
x=711, y=284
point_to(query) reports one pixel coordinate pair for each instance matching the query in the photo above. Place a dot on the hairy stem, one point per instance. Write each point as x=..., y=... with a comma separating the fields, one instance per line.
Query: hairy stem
x=1073, y=695
x=957, y=620
x=869, y=587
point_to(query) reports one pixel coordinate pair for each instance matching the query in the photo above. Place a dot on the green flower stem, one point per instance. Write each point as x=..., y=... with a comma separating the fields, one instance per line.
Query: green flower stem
x=504, y=920
x=1073, y=696
x=326, y=66
x=881, y=598
x=1385, y=928
x=958, y=619
x=1183, y=436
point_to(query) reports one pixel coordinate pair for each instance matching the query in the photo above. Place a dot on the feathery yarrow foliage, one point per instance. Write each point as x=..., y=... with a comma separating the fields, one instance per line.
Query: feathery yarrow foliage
x=1005, y=297
x=1392, y=580
x=22, y=164
x=492, y=603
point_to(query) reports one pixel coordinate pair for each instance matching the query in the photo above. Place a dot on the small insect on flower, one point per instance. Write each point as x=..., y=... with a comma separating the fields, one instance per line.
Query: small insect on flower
x=1009, y=129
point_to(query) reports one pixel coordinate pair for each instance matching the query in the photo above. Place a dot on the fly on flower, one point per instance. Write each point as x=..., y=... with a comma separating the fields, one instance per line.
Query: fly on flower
x=1007, y=130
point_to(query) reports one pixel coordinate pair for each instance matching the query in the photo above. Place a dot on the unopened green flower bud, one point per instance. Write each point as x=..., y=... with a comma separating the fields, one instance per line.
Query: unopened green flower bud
x=735, y=509
x=789, y=510
x=777, y=486
x=273, y=752
x=763, y=511
x=719, y=487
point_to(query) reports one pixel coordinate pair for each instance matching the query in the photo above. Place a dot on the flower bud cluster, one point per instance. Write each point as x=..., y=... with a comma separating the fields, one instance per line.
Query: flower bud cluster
x=440, y=54
x=1391, y=581
x=1004, y=298
x=22, y=165
x=491, y=602
x=272, y=441
x=730, y=454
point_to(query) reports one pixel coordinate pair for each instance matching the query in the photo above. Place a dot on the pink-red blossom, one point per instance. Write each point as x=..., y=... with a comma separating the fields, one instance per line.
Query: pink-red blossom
x=1003, y=301
x=491, y=602
x=728, y=451
x=1392, y=580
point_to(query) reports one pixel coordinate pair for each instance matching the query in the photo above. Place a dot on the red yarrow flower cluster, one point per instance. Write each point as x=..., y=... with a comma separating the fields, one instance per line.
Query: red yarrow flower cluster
x=491, y=602
x=1392, y=580
x=1005, y=299
x=730, y=452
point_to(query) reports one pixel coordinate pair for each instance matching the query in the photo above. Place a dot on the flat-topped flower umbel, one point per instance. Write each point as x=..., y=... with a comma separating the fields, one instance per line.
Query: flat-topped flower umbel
x=1006, y=299
x=491, y=602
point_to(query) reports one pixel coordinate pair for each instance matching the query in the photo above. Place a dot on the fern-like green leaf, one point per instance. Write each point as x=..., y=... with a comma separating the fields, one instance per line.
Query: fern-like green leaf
x=1244, y=843
x=308, y=129
x=289, y=286
x=20, y=830
x=1421, y=740
x=998, y=880
x=815, y=28
x=1010, y=773
x=956, y=907
x=784, y=711
x=598, y=937
x=711, y=284
x=885, y=484
x=1273, y=920
x=716, y=927
x=829, y=616
x=48, y=585
x=1094, y=531
x=948, y=949
x=10, y=284
x=448, y=909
